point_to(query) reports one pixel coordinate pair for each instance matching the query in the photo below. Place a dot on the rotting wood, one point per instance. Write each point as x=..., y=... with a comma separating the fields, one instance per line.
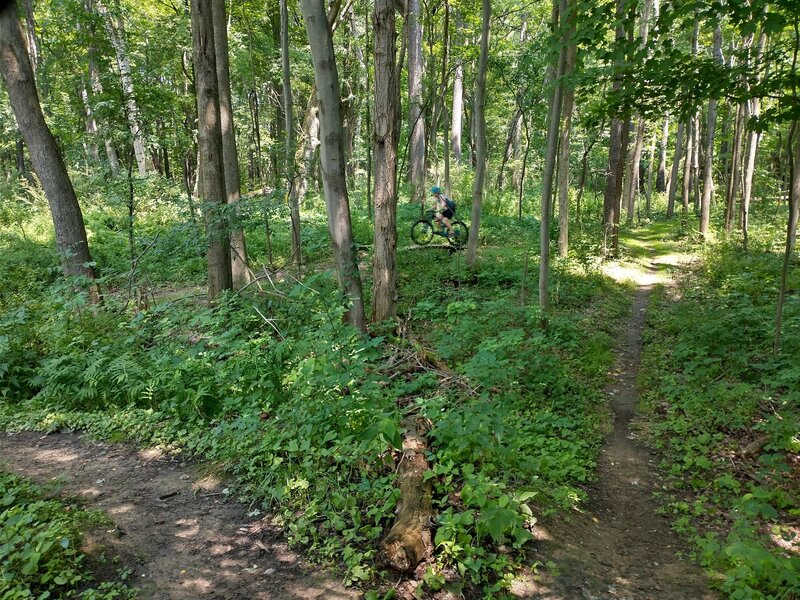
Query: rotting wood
x=409, y=541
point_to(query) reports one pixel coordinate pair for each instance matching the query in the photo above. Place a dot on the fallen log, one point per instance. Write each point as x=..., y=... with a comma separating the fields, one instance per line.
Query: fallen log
x=409, y=541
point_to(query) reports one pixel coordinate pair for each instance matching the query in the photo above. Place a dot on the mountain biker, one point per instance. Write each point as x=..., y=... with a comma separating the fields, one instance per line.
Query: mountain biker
x=445, y=209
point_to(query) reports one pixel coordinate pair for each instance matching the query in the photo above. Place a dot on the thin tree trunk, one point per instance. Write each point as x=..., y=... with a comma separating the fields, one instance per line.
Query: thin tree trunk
x=385, y=138
x=97, y=90
x=334, y=181
x=562, y=176
x=753, y=137
x=661, y=177
x=480, y=136
x=116, y=33
x=508, y=152
x=46, y=160
x=553, y=124
x=676, y=168
x=791, y=228
x=711, y=124
x=632, y=188
x=734, y=178
x=416, y=120
x=687, y=172
x=457, y=113
x=209, y=139
x=240, y=271
x=288, y=110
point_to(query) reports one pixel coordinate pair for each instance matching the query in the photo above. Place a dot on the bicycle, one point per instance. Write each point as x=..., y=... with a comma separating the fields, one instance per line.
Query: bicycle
x=423, y=230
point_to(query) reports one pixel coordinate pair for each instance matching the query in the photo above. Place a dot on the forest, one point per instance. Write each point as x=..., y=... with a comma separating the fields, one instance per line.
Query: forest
x=247, y=350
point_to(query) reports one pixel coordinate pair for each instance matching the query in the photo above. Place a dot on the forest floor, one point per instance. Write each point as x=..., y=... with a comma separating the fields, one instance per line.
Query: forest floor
x=183, y=537
x=174, y=525
x=617, y=546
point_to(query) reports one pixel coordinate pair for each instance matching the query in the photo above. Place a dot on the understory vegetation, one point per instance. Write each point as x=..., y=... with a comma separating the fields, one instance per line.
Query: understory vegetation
x=40, y=547
x=724, y=409
x=304, y=411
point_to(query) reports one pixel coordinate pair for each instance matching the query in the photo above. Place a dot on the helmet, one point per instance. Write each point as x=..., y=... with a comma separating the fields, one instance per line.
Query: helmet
x=436, y=190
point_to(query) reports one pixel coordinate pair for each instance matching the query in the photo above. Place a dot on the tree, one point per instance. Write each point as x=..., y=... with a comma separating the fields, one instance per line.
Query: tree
x=240, y=271
x=416, y=119
x=564, y=140
x=457, y=113
x=711, y=123
x=385, y=137
x=334, y=180
x=288, y=110
x=211, y=169
x=46, y=159
x=115, y=27
x=554, y=118
x=480, y=135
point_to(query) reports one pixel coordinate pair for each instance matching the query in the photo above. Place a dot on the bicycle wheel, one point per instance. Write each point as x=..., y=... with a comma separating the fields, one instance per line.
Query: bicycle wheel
x=460, y=234
x=422, y=232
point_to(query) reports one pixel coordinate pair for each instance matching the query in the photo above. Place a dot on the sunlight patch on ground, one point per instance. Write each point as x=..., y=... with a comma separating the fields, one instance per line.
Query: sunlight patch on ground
x=207, y=484
x=151, y=453
x=56, y=456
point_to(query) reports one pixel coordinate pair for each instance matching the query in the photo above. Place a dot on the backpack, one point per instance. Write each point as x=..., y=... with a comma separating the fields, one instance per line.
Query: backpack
x=450, y=204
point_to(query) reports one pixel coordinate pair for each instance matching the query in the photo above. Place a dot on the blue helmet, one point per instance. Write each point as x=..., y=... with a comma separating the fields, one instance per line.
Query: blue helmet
x=436, y=190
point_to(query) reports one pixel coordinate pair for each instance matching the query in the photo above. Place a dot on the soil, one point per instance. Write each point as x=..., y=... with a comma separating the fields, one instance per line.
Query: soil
x=174, y=527
x=618, y=547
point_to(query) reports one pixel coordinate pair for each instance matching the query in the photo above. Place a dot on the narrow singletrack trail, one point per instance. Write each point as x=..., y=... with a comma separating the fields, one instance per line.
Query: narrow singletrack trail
x=175, y=528
x=618, y=547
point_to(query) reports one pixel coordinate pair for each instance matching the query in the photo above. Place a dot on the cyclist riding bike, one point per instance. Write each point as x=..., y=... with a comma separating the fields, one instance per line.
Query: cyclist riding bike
x=445, y=209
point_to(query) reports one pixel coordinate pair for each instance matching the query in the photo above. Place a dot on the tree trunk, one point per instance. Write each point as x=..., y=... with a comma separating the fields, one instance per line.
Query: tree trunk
x=676, y=167
x=334, y=182
x=46, y=160
x=564, y=139
x=632, y=188
x=240, y=271
x=661, y=177
x=554, y=121
x=97, y=90
x=508, y=152
x=116, y=33
x=734, y=178
x=30, y=36
x=711, y=124
x=385, y=138
x=791, y=230
x=687, y=172
x=753, y=137
x=457, y=113
x=480, y=136
x=291, y=166
x=209, y=138
x=416, y=120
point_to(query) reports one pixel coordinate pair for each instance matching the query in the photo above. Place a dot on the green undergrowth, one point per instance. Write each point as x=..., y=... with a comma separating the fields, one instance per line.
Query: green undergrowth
x=725, y=410
x=40, y=547
x=305, y=414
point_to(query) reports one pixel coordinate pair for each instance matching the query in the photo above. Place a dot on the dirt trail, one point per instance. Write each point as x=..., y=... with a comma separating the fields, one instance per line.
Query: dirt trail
x=618, y=547
x=174, y=527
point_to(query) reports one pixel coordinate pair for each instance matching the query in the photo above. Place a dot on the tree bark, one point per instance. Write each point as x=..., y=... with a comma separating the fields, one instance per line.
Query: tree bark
x=416, y=120
x=753, y=112
x=632, y=188
x=554, y=121
x=240, y=271
x=791, y=229
x=334, y=182
x=209, y=138
x=46, y=160
x=385, y=137
x=687, y=172
x=457, y=113
x=288, y=109
x=480, y=136
x=734, y=177
x=676, y=168
x=711, y=124
x=661, y=177
x=564, y=137
x=116, y=33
